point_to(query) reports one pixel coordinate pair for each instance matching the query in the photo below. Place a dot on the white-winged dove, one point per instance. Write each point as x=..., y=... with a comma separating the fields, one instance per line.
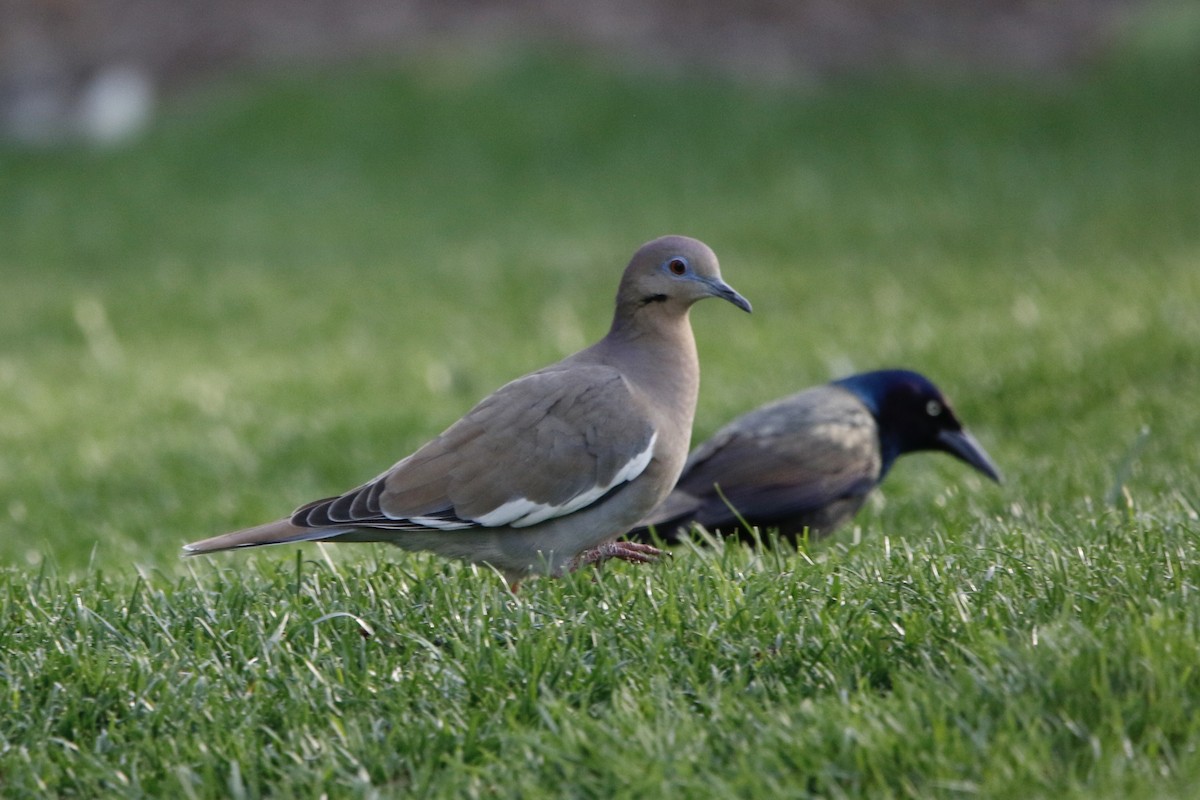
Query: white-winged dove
x=808, y=461
x=546, y=472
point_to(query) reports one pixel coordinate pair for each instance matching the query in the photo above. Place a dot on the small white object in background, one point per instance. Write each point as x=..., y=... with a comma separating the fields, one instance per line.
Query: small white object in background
x=116, y=105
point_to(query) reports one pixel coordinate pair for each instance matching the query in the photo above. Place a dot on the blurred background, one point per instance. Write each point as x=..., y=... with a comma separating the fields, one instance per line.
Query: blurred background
x=253, y=252
x=92, y=69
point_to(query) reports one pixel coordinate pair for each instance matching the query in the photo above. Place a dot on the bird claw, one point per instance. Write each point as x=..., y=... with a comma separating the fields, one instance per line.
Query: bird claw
x=633, y=552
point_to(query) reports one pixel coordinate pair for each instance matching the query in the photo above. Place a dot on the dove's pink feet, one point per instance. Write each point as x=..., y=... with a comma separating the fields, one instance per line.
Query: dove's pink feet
x=633, y=552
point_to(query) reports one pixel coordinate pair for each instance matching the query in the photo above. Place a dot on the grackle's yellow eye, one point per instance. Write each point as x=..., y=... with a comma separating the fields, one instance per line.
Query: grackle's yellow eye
x=933, y=408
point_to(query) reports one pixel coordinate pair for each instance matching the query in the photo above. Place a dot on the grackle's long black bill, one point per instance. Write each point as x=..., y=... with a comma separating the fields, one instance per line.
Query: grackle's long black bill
x=963, y=445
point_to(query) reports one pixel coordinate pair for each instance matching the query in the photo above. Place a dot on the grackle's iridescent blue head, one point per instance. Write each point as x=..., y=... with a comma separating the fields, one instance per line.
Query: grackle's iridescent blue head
x=914, y=415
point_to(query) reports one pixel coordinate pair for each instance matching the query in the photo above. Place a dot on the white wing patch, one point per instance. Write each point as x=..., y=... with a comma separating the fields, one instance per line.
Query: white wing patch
x=440, y=524
x=517, y=513
x=521, y=513
x=636, y=465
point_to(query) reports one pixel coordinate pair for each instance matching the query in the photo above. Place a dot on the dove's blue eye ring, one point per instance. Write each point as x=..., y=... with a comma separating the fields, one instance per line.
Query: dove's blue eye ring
x=677, y=266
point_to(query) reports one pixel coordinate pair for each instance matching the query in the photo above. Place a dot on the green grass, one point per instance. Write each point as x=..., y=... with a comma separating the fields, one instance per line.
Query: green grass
x=295, y=279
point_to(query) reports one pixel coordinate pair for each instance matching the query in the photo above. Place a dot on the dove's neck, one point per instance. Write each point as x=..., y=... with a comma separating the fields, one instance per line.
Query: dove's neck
x=657, y=353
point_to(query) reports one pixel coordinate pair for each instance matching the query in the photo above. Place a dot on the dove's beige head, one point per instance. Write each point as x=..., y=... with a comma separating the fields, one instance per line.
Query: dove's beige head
x=675, y=271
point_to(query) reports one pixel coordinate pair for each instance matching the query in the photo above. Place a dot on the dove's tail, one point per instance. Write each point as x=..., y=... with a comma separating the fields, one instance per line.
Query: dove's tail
x=279, y=532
